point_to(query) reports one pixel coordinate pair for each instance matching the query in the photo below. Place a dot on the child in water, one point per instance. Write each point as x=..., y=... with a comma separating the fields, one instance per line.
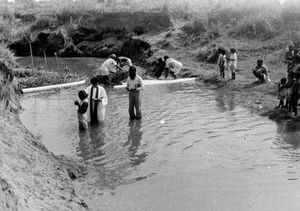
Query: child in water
x=82, y=109
x=281, y=92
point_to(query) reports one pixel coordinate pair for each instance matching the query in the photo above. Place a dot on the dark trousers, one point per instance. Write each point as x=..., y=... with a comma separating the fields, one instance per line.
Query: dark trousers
x=294, y=103
x=135, y=103
x=171, y=72
x=222, y=73
x=260, y=76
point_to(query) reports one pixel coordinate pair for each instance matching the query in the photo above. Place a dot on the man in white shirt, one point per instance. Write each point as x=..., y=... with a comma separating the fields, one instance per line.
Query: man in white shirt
x=173, y=66
x=109, y=66
x=134, y=85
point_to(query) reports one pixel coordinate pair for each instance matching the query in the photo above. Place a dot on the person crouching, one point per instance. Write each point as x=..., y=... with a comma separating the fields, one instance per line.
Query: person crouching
x=82, y=109
x=134, y=85
x=261, y=71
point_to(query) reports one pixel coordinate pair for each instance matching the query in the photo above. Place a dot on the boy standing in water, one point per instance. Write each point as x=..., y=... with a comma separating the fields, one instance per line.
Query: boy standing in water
x=134, y=85
x=82, y=108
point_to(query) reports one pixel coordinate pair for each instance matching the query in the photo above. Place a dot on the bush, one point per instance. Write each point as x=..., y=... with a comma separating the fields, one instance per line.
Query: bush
x=195, y=28
x=255, y=27
x=7, y=56
x=41, y=24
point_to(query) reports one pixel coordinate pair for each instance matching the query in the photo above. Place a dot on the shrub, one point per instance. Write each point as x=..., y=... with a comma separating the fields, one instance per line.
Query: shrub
x=195, y=28
x=255, y=27
x=7, y=56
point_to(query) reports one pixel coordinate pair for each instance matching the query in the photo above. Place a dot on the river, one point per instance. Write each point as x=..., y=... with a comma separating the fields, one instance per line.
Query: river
x=194, y=149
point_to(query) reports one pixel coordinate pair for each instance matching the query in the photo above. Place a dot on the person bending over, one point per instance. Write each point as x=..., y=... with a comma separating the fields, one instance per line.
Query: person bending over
x=108, y=67
x=173, y=66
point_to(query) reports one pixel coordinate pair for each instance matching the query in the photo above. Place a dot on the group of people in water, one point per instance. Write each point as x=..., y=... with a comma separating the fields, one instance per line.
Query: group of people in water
x=92, y=100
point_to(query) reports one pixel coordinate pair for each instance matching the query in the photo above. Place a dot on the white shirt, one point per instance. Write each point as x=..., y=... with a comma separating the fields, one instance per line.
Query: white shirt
x=172, y=63
x=108, y=66
x=133, y=84
x=233, y=60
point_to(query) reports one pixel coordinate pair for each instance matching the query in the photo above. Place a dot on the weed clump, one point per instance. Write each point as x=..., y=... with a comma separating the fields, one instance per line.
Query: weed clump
x=194, y=28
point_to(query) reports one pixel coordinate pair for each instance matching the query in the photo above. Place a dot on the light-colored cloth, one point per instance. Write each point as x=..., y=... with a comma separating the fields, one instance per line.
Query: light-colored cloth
x=101, y=105
x=82, y=118
x=232, y=64
x=110, y=65
x=173, y=65
x=125, y=61
x=136, y=83
x=222, y=60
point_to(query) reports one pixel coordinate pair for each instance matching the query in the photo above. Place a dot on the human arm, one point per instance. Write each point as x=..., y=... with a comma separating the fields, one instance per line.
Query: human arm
x=140, y=85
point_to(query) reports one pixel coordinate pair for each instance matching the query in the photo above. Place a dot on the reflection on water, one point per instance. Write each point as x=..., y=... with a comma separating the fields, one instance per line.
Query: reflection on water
x=194, y=149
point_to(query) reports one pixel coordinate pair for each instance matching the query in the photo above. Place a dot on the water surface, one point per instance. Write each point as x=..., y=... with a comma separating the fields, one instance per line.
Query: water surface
x=194, y=149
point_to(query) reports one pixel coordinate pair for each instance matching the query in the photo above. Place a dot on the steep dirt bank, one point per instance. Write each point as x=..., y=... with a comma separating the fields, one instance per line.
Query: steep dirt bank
x=31, y=178
x=90, y=33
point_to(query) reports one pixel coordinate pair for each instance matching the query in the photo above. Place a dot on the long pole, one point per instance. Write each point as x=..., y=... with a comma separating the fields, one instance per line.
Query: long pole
x=56, y=61
x=45, y=57
x=31, y=55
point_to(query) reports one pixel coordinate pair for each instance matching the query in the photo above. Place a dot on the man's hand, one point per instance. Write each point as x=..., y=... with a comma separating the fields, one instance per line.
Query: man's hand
x=76, y=102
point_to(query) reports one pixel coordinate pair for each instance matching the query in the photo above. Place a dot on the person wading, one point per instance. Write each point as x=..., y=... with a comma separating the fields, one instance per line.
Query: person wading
x=134, y=85
x=97, y=102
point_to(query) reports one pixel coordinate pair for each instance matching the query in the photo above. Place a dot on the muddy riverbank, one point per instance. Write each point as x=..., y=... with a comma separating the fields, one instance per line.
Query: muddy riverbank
x=31, y=177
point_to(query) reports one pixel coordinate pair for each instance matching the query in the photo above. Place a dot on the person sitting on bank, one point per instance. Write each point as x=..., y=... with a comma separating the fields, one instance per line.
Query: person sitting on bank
x=108, y=67
x=173, y=66
x=82, y=109
x=159, y=67
x=261, y=71
x=222, y=62
x=134, y=85
x=124, y=61
x=97, y=102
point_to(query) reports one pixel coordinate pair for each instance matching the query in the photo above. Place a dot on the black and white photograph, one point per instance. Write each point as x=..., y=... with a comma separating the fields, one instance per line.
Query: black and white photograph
x=149, y=105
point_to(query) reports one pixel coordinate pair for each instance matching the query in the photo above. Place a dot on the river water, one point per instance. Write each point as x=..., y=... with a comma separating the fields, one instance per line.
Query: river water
x=194, y=149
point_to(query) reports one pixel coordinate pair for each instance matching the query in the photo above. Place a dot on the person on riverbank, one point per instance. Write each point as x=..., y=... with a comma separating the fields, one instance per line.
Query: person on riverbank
x=159, y=67
x=82, y=110
x=97, y=102
x=232, y=62
x=222, y=62
x=109, y=66
x=288, y=93
x=281, y=89
x=172, y=66
x=134, y=86
x=289, y=57
x=295, y=96
x=261, y=71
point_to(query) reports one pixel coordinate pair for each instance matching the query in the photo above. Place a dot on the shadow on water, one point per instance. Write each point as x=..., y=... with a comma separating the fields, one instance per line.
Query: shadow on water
x=91, y=141
x=290, y=133
x=133, y=143
x=225, y=101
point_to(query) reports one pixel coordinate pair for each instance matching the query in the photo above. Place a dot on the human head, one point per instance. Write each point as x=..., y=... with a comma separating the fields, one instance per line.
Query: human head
x=82, y=94
x=283, y=80
x=166, y=57
x=260, y=62
x=132, y=72
x=113, y=56
x=232, y=50
x=94, y=81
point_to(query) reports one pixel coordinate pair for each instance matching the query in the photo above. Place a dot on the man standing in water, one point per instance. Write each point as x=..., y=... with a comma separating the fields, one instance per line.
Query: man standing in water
x=134, y=85
x=97, y=102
